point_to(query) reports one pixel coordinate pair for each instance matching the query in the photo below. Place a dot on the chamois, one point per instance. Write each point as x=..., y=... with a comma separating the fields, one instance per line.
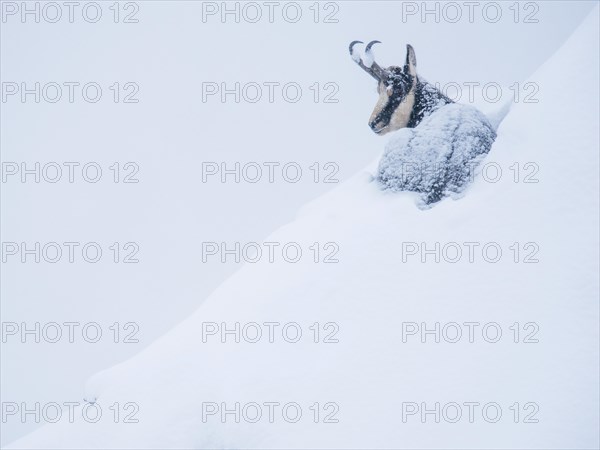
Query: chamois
x=439, y=142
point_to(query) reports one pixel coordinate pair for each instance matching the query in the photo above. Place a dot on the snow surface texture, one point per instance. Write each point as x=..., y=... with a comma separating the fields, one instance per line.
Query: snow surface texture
x=370, y=372
x=355, y=55
x=369, y=58
x=437, y=157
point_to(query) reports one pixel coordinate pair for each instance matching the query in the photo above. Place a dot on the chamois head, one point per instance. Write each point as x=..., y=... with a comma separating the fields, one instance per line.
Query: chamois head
x=396, y=88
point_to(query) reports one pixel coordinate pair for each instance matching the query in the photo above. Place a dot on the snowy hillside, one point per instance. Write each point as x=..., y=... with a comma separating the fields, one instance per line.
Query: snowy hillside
x=368, y=371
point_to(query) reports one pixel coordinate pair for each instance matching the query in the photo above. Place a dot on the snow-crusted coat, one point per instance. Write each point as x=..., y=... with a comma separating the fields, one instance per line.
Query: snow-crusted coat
x=438, y=156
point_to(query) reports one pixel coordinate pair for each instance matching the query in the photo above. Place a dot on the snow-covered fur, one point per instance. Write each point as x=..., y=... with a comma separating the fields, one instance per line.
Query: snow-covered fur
x=437, y=143
x=438, y=156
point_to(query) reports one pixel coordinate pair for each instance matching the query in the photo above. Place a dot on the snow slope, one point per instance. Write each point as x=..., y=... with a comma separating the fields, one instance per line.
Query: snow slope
x=371, y=291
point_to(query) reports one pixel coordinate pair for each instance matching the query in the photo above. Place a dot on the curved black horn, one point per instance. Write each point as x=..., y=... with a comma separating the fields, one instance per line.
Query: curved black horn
x=371, y=44
x=353, y=43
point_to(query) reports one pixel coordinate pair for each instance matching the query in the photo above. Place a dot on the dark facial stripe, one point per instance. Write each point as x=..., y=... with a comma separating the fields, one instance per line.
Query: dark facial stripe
x=384, y=117
x=401, y=87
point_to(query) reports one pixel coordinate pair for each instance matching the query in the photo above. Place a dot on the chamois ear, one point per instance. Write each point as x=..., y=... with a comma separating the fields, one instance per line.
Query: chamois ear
x=410, y=66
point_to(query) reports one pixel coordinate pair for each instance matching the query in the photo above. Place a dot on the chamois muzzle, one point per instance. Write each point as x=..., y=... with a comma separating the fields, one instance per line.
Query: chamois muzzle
x=377, y=126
